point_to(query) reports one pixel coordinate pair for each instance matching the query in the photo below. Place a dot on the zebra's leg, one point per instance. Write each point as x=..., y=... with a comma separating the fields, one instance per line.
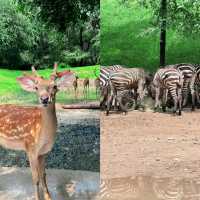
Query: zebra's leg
x=103, y=102
x=109, y=103
x=136, y=99
x=193, y=91
x=197, y=96
x=115, y=101
x=157, y=101
x=104, y=92
x=141, y=93
x=179, y=100
x=121, y=105
x=165, y=95
x=173, y=92
x=185, y=92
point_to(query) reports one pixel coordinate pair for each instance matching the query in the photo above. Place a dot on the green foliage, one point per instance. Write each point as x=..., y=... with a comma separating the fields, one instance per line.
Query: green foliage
x=17, y=34
x=182, y=15
x=129, y=37
x=32, y=32
x=63, y=12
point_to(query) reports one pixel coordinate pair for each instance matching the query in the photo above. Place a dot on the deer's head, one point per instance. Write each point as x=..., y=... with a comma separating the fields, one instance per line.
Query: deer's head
x=46, y=89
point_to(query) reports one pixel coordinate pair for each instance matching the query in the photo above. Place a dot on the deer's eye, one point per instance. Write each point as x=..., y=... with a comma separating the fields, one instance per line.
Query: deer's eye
x=36, y=87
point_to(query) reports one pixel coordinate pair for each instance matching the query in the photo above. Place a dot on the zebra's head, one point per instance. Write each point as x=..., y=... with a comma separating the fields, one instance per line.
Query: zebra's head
x=150, y=87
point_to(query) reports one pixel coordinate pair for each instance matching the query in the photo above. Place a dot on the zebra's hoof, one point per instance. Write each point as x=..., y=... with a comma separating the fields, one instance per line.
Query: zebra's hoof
x=174, y=113
x=155, y=110
x=164, y=109
x=179, y=113
x=198, y=106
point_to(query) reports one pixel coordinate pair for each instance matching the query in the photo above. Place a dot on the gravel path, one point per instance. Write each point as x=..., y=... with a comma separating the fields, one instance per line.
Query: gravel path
x=77, y=144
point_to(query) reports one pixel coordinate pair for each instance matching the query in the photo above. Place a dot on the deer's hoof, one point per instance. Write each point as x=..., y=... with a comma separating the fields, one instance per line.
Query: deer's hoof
x=47, y=196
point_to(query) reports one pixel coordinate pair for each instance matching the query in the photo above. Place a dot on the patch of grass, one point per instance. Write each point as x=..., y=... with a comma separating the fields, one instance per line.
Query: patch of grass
x=127, y=38
x=11, y=92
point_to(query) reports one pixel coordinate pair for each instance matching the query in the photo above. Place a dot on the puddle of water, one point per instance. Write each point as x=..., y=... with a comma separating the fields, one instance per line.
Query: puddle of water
x=62, y=184
x=149, y=188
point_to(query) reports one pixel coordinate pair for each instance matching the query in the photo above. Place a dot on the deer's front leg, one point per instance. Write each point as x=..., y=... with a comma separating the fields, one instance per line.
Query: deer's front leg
x=42, y=175
x=34, y=164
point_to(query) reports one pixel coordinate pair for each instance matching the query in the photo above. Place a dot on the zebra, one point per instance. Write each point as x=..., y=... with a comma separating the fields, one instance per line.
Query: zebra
x=127, y=79
x=169, y=80
x=105, y=73
x=195, y=84
x=103, y=79
x=188, y=71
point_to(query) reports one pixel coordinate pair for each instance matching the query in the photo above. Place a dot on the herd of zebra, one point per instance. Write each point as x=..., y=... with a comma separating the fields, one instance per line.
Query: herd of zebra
x=173, y=83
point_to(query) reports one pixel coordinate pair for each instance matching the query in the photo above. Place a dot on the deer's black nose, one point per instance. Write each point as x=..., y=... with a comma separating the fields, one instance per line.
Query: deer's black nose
x=44, y=100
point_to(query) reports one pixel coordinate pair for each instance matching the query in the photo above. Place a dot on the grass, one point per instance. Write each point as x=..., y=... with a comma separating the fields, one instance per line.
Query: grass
x=127, y=38
x=11, y=92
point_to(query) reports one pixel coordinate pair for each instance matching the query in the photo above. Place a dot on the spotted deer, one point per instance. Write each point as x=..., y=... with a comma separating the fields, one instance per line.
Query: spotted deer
x=33, y=129
x=86, y=85
x=75, y=85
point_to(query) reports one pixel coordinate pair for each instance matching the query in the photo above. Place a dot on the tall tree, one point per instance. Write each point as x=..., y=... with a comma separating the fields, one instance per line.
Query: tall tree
x=163, y=14
x=63, y=12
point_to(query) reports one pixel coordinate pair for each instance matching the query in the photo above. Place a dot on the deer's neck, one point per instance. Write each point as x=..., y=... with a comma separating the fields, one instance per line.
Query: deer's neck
x=48, y=132
x=49, y=118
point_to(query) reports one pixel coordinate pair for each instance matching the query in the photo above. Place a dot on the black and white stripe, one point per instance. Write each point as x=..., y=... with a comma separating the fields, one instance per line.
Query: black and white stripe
x=105, y=73
x=188, y=71
x=127, y=79
x=169, y=80
x=195, y=85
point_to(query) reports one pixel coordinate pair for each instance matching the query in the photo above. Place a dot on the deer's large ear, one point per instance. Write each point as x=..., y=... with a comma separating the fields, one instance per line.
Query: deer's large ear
x=65, y=80
x=27, y=83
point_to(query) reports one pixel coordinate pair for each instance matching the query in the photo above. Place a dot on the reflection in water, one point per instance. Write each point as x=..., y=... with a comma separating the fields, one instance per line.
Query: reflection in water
x=149, y=188
x=16, y=184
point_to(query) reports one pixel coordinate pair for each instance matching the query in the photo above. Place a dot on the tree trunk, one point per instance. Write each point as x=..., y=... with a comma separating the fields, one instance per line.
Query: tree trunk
x=81, y=37
x=81, y=44
x=163, y=14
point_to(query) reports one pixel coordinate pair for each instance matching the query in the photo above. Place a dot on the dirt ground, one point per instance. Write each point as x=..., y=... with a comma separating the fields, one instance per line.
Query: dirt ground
x=147, y=144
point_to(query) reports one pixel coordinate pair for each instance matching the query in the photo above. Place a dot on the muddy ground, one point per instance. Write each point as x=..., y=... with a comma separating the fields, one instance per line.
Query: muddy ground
x=147, y=144
x=76, y=146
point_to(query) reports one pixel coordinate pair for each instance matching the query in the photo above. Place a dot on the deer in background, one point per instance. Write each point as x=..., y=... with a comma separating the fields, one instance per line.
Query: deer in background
x=33, y=129
x=75, y=85
x=86, y=85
